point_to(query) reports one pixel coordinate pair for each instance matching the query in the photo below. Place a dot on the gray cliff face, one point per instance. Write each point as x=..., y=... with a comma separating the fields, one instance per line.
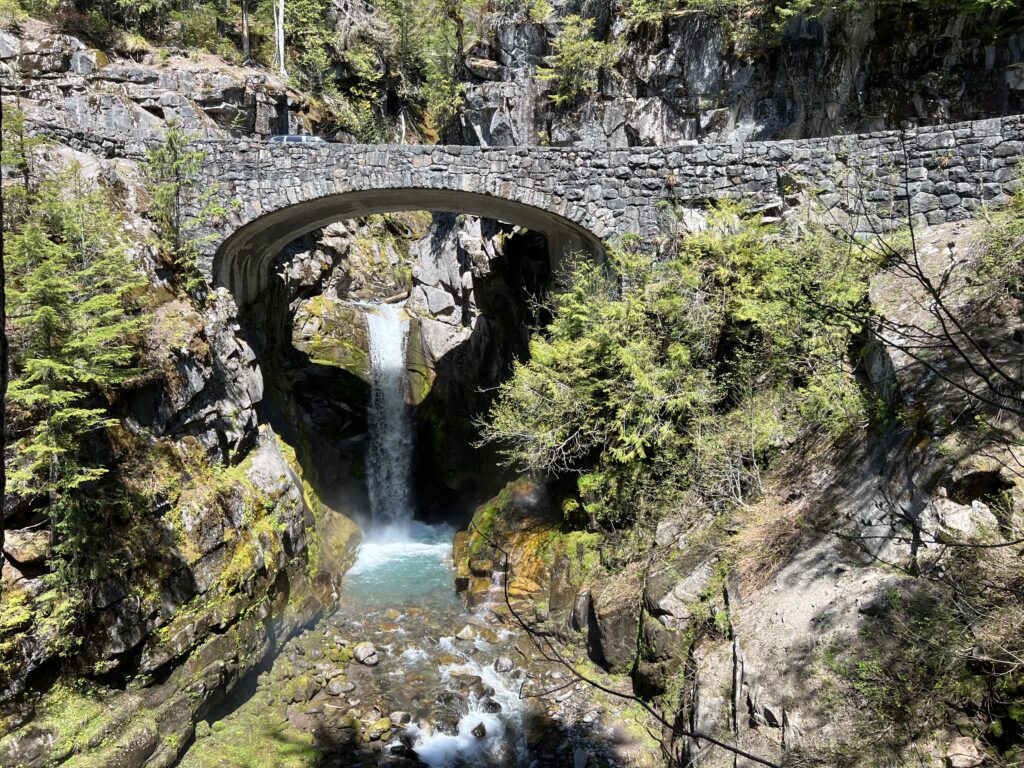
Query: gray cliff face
x=217, y=577
x=692, y=80
x=76, y=91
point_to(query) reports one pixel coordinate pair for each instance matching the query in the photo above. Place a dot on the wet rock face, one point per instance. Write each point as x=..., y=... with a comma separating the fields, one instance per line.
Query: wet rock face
x=614, y=620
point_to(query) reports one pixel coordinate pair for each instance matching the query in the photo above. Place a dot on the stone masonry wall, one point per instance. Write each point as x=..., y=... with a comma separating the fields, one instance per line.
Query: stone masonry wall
x=945, y=172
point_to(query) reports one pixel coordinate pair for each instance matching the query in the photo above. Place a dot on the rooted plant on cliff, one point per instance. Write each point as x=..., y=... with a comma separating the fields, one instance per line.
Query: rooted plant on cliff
x=172, y=172
x=73, y=323
x=575, y=66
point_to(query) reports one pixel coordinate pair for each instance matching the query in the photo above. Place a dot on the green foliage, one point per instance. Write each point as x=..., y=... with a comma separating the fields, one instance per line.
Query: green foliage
x=577, y=61
x=73, y=325
x=526, y=10
x=196, y=27
x=11, y=14
x=427, y=44
x=685, y=372
x=309, y=35
x=762, y=24
x=641, y=13
x=787, y=9
x=18, y=152
x=172, y=172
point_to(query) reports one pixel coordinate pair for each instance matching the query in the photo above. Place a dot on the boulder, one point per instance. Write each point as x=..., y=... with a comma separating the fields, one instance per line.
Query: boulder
x=484, y=68
x=377, y=730
x=400, y=718
x=339, y=686
x=27, y=547
x=614, y=614
x=965, y=519
x=963, y=752
x=11, y=575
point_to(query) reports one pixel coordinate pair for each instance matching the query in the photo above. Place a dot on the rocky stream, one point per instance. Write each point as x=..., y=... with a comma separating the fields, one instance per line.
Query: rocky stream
x=403, y=673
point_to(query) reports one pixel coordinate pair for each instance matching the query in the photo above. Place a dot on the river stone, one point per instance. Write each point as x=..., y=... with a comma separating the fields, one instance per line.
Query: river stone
x=378, y=730
x=446, y=722
x=400, y=718
x=340, y=686
x=479, y=731
x=503, y=664
x=365, y=653
x=299, y=690
x=466, y=633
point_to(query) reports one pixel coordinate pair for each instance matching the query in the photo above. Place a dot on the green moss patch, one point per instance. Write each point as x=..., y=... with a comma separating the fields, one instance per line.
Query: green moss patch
x=254, y=736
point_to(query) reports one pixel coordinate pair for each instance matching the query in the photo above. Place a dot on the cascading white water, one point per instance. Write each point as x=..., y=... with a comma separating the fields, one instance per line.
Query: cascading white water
x=389, y=455
x=403, y=562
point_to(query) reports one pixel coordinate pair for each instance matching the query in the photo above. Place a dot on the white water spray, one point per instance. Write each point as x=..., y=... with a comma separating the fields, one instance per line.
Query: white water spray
x=389, y=456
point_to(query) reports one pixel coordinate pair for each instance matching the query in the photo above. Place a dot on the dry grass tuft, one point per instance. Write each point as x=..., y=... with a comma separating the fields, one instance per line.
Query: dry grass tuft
x=767, y=536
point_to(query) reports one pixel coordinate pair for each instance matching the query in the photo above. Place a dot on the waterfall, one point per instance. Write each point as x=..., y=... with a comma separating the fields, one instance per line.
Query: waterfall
x=389, y=455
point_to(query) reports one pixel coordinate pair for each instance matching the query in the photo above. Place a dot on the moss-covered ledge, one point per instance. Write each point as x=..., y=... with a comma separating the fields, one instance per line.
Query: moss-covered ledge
x=549, y=562
x=264, y=556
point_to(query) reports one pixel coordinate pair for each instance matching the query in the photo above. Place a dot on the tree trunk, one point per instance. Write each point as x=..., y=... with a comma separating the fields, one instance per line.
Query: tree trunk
x=279, y=34
x=246, y=48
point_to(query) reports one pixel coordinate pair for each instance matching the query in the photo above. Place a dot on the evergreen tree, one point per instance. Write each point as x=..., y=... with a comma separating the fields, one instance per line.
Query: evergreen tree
x=172, y=171
x=73, y=320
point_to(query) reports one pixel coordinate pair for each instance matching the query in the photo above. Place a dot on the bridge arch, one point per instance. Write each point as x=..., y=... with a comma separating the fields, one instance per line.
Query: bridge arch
x=578, y=196
x=243, y=261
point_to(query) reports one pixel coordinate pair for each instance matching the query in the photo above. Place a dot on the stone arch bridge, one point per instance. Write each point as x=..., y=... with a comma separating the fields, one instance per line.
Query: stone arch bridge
x=581, y=196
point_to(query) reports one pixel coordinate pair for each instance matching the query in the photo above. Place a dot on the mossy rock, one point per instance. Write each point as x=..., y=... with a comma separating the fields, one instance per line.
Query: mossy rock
x=301, y=689
x=378, y=730
x=420, y=372
x=334, y=334
x=548, y=562
x=253, y=736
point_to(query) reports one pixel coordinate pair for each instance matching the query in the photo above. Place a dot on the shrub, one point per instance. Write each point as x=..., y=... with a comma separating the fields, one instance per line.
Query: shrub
x=11, y=14
x=685, y=373
x=577, y=61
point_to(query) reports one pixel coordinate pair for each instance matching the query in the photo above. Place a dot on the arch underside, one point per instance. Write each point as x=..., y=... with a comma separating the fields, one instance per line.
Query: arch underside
x=243, y=261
